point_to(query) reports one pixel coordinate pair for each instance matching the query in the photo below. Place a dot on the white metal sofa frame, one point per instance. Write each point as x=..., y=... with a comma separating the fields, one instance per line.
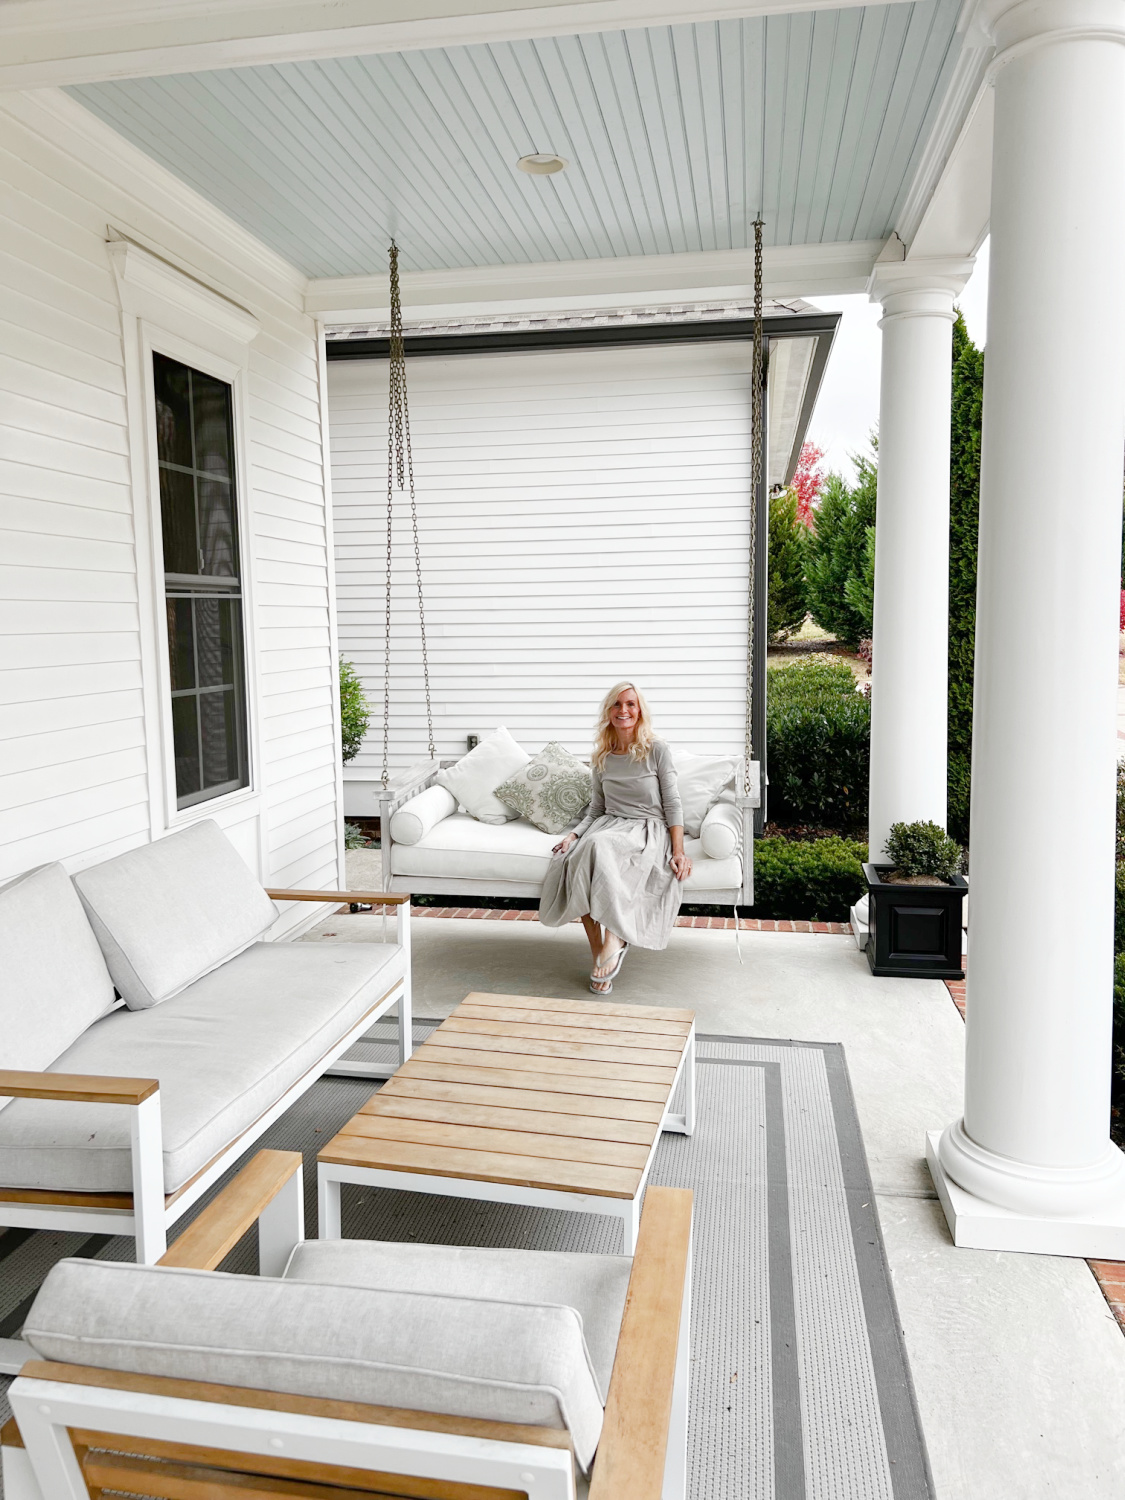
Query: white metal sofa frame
x=147, y=1213
x=79, y=1430
x=410, y=783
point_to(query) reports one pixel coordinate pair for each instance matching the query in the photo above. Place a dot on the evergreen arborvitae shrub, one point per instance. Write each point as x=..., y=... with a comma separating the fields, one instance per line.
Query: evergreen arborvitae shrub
x=818, y=744
x=923, y=849
x=964, y=502
x=354, y=711
x=837, y=564
x=788, y=540
x=815, y=881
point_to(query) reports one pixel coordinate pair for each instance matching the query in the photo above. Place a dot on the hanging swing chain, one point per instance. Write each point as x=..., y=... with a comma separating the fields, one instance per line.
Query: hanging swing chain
x=756, y=478
x=400, y=468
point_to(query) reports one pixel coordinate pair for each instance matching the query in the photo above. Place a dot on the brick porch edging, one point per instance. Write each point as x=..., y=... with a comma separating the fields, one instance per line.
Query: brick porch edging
x=1109, y=1274
x=723, y=924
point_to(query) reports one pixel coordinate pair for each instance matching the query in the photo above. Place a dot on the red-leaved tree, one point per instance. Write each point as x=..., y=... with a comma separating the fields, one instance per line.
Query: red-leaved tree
x=807, y=481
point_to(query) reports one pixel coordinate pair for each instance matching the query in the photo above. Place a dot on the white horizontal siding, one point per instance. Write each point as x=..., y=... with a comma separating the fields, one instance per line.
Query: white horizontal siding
x=74, y=737
x=583, y=518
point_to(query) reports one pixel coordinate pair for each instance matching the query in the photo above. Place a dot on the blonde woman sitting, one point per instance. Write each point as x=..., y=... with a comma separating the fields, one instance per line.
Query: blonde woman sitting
x=622, y=867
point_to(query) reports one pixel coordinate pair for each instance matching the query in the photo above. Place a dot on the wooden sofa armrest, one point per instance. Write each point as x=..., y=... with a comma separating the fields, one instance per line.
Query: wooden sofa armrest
x=226, y=1219
x=365, y=898
x=631, y=1452
x=17, y=1084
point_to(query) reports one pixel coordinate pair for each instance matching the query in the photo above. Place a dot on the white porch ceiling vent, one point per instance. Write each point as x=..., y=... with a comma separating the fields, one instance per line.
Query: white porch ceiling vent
x=542, y=163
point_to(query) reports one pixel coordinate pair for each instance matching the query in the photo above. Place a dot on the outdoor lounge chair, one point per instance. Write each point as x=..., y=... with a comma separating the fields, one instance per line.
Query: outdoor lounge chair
x=400, y=1369
x=114, y=1120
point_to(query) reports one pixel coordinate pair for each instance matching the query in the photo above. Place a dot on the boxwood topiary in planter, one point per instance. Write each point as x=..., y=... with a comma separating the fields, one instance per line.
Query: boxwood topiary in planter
x=914, y=905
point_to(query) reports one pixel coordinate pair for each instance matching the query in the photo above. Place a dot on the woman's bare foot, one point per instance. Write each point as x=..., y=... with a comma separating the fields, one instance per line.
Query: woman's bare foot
x=606, y=959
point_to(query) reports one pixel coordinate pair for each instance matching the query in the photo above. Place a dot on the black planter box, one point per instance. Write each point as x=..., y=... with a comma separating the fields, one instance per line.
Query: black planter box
x=914, y=931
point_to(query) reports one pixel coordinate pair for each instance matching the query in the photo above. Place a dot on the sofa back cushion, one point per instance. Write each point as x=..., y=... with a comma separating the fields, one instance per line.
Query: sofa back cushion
x=701, y=779
x=463, y=1356
x=475, y=777
x=53, y=979
x=171, y=911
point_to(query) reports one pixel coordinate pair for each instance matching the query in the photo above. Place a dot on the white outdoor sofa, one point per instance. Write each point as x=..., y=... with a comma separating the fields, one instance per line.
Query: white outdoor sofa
x=431, y=848
x=354, y=1367
x=116, y=1118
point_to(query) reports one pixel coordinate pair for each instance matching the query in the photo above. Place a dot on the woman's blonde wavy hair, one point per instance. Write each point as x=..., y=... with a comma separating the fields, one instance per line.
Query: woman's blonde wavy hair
x=605, y=736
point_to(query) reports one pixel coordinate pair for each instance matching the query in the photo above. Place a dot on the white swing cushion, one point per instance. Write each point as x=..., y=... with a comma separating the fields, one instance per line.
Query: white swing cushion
x=720, y=833
x=451, y=1352
x=475, y=777
x=701, y=778
x=415, y=818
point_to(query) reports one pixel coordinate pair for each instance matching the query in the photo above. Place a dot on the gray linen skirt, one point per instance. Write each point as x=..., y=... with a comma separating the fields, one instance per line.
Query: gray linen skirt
x=619, y=873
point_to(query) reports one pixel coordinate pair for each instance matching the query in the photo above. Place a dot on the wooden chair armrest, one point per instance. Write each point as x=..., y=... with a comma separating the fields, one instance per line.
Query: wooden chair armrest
x=18, y=1084
x=227, y=1218
x=364, y=898
x=630, y=1459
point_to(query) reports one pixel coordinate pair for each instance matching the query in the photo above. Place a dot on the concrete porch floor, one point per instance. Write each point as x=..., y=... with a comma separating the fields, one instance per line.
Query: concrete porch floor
x=1018, y=1363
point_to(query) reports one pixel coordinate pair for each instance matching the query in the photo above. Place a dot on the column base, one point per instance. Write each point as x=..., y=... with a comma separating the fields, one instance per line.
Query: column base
x=977, y=1225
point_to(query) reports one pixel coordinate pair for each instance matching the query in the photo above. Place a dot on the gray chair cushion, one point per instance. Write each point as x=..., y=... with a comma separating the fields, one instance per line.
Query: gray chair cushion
x=594, y=1285
x=224, y=1050
x=465, y=1356
x=53, y=979
x=171, y=911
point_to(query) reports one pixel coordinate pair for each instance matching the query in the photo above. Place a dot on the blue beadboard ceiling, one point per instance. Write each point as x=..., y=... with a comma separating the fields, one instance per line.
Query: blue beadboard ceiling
x=674, y=135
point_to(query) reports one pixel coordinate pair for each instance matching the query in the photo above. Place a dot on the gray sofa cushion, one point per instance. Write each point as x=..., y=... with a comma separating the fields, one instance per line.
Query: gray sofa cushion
x=594, y=1285
x=224, y=1050
x=487, y=1358
x=171, y=911
x=53, y=979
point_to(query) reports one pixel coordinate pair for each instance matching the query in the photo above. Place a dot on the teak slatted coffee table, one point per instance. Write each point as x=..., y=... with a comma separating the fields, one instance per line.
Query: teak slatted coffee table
x=514, y=1099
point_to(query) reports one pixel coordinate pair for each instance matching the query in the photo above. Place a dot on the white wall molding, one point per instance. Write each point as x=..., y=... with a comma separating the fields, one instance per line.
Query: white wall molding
x=158, y=291
x=52, y=42
x=63, y=123
x=624, y=281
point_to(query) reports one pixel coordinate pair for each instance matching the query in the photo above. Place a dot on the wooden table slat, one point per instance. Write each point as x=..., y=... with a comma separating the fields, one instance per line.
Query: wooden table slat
x=379, y=1128
x=639, y=1111
x=495, y=1117
x=455, y=1070
x=605, y=1008
x=578, y=1035
x=579, y=1016
x=576, y=1052
x=484, y=1166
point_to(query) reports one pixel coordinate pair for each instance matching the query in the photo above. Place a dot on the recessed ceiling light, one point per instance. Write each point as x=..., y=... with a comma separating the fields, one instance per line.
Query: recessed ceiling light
x=541, y=164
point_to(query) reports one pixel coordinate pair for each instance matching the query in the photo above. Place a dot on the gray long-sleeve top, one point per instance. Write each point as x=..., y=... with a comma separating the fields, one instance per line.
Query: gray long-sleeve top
x=629, y=788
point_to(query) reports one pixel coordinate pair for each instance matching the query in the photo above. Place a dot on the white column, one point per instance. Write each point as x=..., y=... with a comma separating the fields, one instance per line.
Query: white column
x=911, y=630
x=1030, y=1166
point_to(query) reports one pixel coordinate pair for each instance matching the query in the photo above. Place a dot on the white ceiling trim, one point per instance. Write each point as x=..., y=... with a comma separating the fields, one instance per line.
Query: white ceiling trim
x=62, y=122
x=624, y=281
x=56, y=42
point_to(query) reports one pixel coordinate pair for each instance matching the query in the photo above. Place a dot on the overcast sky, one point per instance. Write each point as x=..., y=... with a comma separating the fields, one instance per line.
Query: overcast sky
x=848, y=406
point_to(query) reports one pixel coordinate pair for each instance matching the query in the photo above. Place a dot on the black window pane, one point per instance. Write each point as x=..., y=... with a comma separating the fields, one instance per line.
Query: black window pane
x=181, y=644
x=230, y=638
x=216, y=528
x=185, y=738
x=211, y=404
x=220, y=744
x=177, y=519
x=173, y=411
x=208, y=643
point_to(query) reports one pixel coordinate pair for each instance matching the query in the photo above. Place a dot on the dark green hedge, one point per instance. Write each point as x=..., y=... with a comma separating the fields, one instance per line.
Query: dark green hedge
x=818, y=881
x=818, y=745
x=964, y=498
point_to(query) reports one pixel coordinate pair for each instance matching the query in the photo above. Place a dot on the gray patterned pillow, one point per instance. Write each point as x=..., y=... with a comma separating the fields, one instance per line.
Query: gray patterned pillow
x=552, y=791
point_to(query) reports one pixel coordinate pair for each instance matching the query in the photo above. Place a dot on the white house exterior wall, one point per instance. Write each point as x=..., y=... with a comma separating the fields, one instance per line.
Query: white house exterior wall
x=80, y=747
x=584, y=518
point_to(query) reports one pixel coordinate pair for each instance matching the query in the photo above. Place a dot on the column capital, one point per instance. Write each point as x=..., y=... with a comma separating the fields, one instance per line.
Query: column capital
x=919, y=288
x=1024, y=23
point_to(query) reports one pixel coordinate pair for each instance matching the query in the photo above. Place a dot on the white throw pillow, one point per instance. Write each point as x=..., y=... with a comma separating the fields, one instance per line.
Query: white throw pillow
x=721, y=831
x=475, y=777
x=415, y=818
x=701, y=778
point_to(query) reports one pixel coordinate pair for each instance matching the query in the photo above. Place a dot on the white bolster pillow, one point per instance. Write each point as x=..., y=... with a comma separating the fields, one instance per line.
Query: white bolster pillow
x=415, y=818
x=720, y=833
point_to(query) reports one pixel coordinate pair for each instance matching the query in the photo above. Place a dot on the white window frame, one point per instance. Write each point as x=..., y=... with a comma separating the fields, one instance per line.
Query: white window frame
x=165, y=311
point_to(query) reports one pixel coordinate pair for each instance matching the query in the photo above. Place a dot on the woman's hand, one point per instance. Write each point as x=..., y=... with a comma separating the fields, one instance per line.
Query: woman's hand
x=681, y=865
x=565, y=843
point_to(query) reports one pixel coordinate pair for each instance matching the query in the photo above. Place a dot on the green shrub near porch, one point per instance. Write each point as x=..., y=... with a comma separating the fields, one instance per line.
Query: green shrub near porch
x=818, y=880
x=818, y=744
